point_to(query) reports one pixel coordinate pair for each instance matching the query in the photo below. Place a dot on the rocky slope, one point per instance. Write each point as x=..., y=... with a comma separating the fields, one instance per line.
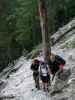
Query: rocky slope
x=16, y=83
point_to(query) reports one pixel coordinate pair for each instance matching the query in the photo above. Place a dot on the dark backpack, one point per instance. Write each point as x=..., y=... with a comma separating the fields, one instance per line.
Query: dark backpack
x=60, y=60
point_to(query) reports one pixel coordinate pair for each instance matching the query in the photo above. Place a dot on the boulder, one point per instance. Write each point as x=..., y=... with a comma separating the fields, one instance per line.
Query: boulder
x=60, y=80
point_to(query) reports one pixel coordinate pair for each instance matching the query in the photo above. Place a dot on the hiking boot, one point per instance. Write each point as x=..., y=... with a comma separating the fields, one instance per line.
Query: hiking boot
x=47, y=89
x=38, y=88
x=44, y=89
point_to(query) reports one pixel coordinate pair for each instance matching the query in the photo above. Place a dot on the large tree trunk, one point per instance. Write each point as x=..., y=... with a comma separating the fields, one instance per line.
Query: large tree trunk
x=44, y=29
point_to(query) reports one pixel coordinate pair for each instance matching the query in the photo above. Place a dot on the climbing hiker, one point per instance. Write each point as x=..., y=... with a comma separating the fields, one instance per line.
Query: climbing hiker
x=35, y=69
x=44, y=75
x=56, y=63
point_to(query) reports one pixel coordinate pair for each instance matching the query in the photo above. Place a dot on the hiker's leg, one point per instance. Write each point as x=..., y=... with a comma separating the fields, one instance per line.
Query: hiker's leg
x=37, y=82
x=43, y=83
x=34, y=77
x=46, y=80
x=46, y=86
x=49, y=83
x=53, y=77
x=58, y=73
x=43, y=86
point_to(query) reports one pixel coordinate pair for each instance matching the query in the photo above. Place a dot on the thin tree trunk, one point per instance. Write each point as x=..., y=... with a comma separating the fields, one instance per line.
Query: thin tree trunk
x=44, y=29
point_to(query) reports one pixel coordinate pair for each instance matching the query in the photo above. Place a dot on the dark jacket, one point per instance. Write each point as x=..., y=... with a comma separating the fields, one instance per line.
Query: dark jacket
x=35, y=67
x=54, y=66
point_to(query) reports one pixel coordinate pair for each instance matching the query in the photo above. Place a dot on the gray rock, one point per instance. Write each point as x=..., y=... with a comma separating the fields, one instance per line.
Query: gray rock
x=61, y=80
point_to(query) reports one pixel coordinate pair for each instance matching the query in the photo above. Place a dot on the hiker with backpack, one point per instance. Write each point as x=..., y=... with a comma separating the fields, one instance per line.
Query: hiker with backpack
x=35, y=69
x=44, y=75
x=56, y=64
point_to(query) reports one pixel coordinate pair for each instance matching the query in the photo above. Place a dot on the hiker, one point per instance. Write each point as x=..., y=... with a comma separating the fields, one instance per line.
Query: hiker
x=56, y=63
x=35, y=69
x=44, y=75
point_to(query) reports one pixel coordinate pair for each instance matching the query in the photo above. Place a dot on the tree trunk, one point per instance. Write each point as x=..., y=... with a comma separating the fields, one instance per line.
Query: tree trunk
x=44, y=29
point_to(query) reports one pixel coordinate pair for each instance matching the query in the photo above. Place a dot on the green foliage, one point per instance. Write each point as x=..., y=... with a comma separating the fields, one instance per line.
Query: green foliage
x=69, y=44
x=59, y=13
x=27, y=26
x=20, y=26
x=7, y=31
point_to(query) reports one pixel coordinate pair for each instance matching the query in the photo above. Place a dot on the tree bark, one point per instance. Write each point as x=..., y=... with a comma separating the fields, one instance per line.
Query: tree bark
x=44, y=29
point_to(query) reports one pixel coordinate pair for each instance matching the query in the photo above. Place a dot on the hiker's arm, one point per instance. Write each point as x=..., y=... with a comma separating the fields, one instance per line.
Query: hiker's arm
x=31, y=67
x=49, y=70
x=61, y=66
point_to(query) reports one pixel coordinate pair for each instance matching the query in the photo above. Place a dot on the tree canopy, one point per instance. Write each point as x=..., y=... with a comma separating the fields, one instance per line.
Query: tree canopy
x=20, y=25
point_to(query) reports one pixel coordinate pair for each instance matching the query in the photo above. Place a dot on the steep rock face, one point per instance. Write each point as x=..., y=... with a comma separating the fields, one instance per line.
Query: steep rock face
x=20, y=82
x=68, y=92
x=61, y=80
